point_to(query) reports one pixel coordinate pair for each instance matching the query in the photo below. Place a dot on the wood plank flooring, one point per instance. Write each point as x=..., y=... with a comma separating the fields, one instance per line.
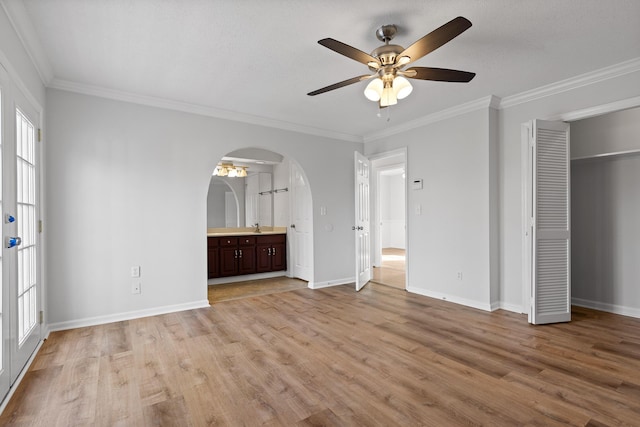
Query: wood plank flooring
x=251, y=288
x=392, y=270
x=379, y=357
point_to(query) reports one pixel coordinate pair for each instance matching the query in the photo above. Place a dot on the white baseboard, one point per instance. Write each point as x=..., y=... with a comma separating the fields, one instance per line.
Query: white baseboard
x=450, y=298
x=501, y=305
x=329, y=283
x=118, y=317
x=609, y=308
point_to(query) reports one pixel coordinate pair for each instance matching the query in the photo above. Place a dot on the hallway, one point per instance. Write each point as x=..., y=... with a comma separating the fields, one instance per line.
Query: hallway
x=392, y=271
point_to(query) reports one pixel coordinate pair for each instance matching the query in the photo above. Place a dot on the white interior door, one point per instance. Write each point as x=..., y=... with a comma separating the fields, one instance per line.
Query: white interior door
x=362, y=225
x=550, y=223
x=300, y=232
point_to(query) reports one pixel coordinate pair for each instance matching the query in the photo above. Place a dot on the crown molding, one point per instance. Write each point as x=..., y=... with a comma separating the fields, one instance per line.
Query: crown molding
x=7, y=70
x=25, y=31
x=586, y=79
x=490, y=101
x=196, y=109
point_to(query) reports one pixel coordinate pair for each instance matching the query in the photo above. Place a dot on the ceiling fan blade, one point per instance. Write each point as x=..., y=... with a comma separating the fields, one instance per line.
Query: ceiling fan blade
x=348, y=51
x=341, y=84
x=438, y=74
x=437, y=38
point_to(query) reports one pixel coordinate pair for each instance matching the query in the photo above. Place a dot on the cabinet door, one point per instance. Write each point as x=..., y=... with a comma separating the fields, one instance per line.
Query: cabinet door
x=228, y=261
x=278, y=257
x=213, y=262
x=263, y=254
x=247, y=259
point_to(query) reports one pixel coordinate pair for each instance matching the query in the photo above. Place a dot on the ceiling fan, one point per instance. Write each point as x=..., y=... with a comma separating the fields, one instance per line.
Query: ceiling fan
x=388, y=63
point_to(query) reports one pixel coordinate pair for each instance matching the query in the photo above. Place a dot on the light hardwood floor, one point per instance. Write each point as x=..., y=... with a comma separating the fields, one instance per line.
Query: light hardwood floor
x=392, y=271
x=334, y=356
x=252, y=288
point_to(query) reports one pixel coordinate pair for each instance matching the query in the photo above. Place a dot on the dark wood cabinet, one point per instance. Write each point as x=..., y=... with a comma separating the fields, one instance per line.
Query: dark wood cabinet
x=213, y=261
x=238, y=255
x=271, y=253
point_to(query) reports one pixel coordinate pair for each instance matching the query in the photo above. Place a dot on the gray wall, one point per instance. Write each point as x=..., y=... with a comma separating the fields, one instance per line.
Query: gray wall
x=617, y=132
x=453, y=231
x=127, y=185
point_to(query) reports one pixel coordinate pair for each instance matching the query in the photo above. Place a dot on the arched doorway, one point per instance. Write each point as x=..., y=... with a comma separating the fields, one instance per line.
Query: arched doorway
x=274, y=194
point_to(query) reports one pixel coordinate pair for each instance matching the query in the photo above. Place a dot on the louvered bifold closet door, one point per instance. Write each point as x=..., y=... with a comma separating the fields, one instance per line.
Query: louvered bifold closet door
x=551, y=232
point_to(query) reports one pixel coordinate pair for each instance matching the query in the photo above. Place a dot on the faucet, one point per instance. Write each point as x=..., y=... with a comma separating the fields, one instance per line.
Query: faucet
x=257, y=230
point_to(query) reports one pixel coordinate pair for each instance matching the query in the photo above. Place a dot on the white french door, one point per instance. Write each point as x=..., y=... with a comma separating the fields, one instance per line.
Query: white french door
x=19, y=259
x=362, y=225
x=548, y=231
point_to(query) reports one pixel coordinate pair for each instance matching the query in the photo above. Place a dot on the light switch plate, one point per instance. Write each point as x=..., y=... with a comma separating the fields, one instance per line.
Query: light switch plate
x=135, y=271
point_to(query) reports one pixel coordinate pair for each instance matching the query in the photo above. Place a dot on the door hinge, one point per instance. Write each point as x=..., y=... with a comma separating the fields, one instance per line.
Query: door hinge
x=41, y=317
x=39, y=226
x=39, y=135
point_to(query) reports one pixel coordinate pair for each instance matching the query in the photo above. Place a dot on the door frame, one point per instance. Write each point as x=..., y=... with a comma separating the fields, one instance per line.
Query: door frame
x=380, y=161
x=524, y=148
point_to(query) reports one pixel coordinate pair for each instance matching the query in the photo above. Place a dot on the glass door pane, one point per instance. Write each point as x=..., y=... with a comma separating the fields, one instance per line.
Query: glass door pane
x=26, y=210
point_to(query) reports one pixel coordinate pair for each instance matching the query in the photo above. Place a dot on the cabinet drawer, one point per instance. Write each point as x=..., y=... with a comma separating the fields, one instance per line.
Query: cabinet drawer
x=246, y=241
x=228, y=241
x=212, y=242
x=273, y=238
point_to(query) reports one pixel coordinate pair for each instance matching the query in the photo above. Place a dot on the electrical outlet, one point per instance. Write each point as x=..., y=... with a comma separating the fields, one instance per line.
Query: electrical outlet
x=135, y=271
x=136, y=287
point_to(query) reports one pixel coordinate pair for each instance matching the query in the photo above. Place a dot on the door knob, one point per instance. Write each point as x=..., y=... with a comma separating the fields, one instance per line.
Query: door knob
x=10, y=242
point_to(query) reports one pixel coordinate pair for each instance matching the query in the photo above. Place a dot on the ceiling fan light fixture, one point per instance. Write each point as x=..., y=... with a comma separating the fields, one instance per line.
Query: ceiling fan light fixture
x=373, y=91
x=373, y=64
x=388, y=96
x=402, y=87
x=403, y=60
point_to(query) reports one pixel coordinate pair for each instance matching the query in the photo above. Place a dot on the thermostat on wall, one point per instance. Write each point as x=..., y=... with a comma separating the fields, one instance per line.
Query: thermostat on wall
x=416, y=184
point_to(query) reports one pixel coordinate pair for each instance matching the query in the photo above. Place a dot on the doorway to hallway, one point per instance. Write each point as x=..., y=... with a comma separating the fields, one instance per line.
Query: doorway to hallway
x=392, y=269
x=389, y=219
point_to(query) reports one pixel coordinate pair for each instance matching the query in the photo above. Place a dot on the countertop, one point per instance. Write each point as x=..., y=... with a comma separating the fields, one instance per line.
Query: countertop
x=244, y=231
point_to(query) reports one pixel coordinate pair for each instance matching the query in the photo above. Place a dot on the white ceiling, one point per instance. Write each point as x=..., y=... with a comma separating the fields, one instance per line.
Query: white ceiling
x=256, y=60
